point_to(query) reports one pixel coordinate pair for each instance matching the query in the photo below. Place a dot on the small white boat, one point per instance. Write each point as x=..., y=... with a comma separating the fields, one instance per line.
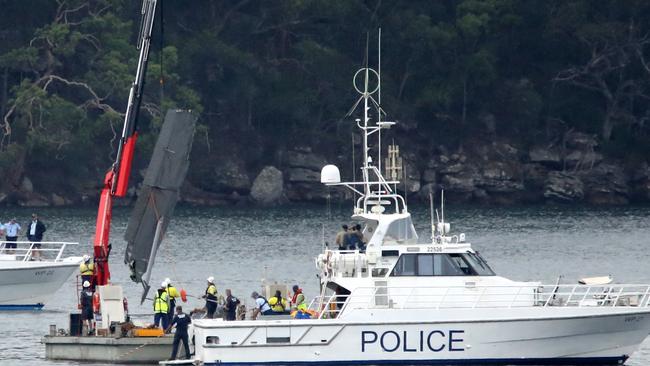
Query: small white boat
x=26, y=282
x=400, y=301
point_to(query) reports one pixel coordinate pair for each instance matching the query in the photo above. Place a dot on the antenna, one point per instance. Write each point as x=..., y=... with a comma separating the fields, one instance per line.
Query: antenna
x=442, y=207
x=379, y=97
x=433, y=226
x=379, y=71
x=354, y=168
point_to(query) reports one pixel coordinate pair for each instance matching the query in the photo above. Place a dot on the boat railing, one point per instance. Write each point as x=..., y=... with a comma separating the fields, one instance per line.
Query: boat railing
x=445, y=297
x=26, y=250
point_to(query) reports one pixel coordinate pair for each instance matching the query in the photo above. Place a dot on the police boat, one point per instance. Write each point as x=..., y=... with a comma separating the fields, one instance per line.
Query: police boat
x=400, y=301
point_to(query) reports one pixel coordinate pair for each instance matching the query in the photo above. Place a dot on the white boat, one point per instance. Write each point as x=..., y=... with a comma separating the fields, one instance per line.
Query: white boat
x=27, y=283
x=401, y=301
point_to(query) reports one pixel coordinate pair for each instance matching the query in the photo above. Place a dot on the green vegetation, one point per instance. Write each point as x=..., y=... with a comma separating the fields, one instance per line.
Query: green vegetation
x=267, y=75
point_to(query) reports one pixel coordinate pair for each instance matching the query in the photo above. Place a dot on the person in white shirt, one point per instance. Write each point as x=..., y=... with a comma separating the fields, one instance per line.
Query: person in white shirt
x=11, y=230
x=262, y=306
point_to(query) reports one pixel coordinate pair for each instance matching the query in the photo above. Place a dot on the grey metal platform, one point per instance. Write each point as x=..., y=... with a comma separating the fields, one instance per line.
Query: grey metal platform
x=131, y=350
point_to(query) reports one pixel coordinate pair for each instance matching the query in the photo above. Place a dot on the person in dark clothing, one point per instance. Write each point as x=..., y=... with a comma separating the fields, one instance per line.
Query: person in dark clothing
x=352, y=239
x=86, y=299
x=340, y=237
x=231, y=306
x=182, y=321
x=361, y=244
x=35, y=230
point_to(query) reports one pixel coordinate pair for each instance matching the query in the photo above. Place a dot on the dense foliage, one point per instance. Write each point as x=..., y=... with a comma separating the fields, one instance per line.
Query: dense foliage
x=264, y=75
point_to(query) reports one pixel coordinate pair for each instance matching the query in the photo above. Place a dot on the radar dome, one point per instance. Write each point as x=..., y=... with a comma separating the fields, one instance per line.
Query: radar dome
x=330, y=174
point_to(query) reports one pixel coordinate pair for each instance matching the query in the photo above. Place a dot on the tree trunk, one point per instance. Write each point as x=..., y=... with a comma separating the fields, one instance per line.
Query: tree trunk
x=463, y=117
x=3, y=95
x=608, y=124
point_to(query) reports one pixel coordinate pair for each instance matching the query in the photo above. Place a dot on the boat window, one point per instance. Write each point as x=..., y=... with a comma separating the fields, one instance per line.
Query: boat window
x=425, y=265
x=479, y=264
x=405, y=265
x=402, y=231
x=461, y=264
x=379, y=272
x=446, y=266
x=389, y=253
x=454, y=264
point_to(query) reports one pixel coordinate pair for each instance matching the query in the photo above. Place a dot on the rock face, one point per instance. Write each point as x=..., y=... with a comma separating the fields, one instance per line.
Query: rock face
x=641, y=183
x=228, y=177
x=26, y=185
x=268, y=187
x=546, y=156
x=304, y=158
x=563, y=187
x=606, y=184
x=565, y=167
x=303, y=176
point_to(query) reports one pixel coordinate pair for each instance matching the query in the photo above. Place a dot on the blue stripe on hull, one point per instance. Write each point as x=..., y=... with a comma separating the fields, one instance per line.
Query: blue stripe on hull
x=466, y=362
x=21, y=307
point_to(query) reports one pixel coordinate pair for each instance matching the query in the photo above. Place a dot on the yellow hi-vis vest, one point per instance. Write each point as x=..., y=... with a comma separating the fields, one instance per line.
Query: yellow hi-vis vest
x=300, y=302
x=87, y=269
x=160, y=303
x=278, y=306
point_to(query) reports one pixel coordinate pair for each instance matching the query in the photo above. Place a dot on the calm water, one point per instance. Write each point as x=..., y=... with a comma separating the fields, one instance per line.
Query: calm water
x=240, y=246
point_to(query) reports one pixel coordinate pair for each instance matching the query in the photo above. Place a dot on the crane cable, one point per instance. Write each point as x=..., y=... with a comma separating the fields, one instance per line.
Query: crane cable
x=162, y=75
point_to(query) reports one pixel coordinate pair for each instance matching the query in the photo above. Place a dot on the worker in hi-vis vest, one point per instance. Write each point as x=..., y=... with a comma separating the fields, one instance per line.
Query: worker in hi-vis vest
x=161, y=307
x=172, y=295
x=87, y=269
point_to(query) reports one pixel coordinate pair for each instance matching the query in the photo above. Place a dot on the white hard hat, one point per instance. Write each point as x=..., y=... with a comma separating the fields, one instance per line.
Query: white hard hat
x=168, y=280
x=163, y=284
x=86, y=257
x=211, y=279
x=86, y=284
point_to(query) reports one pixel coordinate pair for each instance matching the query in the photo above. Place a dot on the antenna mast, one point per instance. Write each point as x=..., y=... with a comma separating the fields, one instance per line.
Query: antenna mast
x=365, y=122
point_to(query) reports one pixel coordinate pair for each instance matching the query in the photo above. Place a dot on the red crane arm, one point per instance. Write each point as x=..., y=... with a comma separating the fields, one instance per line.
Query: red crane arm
x=116, y=181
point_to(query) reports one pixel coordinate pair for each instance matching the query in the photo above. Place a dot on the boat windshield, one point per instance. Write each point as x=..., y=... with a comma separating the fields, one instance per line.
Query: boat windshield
x=452, y=264
x=401, y=231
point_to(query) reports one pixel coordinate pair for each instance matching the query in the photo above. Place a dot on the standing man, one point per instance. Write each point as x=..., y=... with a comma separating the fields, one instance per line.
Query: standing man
x=210, y=297
x=11, y=231
x=35, y=231
x=172, y=294
x=86, y=298
x=231, y=305
x=340, y=237
x=160, y=307
x=181, y=320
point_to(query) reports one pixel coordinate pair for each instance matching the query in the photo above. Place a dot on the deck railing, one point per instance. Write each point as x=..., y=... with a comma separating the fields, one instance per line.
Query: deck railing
x=516, y=296
x=26, y=250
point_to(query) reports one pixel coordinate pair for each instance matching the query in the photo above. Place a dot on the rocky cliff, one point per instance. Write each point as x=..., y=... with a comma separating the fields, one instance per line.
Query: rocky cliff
x=572, y=170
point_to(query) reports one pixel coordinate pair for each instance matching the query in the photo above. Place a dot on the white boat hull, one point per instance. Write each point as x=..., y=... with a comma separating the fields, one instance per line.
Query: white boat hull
x=552, y=336
x=29, y=285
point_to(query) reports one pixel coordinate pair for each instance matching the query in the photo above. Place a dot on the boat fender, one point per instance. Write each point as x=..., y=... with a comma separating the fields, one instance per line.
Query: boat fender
x=183, y=295
x=96, y=302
